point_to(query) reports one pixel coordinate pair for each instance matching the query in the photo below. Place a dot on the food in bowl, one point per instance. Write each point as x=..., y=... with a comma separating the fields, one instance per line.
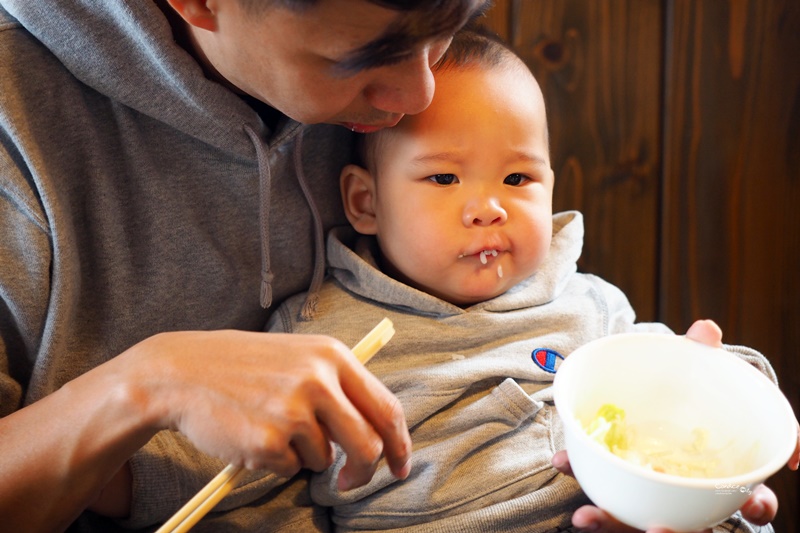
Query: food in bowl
x=663, y=447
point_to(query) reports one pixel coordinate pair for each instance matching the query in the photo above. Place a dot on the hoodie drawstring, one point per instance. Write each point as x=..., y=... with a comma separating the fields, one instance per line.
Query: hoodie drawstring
x=264, y=184
x=312, y=297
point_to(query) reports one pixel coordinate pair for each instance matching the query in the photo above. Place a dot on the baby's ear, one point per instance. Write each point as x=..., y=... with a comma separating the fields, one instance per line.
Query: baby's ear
x=358, y=196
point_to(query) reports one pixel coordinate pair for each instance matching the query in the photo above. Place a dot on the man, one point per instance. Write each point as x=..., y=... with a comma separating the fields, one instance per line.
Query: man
x=157, y=197
x=147, y=190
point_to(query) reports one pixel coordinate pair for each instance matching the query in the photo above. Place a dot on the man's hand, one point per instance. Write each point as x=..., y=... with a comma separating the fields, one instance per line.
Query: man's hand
x=272, y=401
x=259, y=400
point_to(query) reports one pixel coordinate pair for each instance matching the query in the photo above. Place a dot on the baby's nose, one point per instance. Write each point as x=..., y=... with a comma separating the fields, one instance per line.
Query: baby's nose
x=485, y=213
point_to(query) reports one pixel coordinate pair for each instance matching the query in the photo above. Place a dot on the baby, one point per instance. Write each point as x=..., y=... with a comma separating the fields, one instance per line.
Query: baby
x=455, y=241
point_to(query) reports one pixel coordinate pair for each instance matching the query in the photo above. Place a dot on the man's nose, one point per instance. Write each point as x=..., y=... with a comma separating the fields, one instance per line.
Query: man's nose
x=405, y=88
x=484, y=212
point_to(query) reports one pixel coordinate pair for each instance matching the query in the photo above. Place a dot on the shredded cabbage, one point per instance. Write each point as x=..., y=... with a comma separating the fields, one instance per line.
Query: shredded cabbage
x=650, y=448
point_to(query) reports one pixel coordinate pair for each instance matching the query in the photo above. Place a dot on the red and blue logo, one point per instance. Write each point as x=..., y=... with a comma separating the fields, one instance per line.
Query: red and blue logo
x=546, y=359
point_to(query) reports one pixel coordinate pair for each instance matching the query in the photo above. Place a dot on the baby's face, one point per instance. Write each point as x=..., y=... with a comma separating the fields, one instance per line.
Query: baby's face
x=464, y=189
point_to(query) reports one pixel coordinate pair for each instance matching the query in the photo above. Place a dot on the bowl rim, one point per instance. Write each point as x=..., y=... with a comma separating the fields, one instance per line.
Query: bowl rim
x=747, y=479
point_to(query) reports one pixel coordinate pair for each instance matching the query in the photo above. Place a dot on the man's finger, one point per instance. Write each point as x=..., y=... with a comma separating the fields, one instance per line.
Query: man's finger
x=560, y=462
x=706, y=332
x=761, y=508
x=384, y=412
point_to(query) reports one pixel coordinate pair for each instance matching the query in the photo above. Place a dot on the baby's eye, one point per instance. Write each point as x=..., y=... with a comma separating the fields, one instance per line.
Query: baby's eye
x=516, y=179
x=443, y=179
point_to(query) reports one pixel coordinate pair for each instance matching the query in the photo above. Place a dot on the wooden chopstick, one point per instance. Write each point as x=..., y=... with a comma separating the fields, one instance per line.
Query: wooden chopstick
x=224, y=482
x=374, y=341
x=205, y=500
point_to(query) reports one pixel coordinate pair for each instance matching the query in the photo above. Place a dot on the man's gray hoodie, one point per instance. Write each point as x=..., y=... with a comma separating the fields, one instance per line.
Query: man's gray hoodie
x=136, y=197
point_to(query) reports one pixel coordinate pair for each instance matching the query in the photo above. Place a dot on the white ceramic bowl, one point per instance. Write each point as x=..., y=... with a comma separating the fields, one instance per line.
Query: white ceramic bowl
x=681, y=385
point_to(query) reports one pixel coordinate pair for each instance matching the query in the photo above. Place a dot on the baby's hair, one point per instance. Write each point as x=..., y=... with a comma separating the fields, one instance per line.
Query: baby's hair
x=477, y=45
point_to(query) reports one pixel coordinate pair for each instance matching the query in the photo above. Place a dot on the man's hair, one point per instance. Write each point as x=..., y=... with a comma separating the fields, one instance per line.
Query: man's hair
x=420, y=20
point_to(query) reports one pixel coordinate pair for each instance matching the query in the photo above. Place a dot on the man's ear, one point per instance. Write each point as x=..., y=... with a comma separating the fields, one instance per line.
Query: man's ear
x=358, y=196
x=198, y=13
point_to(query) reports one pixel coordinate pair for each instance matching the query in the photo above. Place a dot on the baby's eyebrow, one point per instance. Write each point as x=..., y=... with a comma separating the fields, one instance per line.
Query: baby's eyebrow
x=438, y=157
x=526, y=157
x=518, y=156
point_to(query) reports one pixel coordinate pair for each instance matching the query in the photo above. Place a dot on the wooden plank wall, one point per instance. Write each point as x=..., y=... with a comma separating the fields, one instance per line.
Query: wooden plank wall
x=675, y=129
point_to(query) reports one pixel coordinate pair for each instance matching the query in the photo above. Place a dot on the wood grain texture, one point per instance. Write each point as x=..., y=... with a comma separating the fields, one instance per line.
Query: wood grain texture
x=675, y=128
x=731, y=232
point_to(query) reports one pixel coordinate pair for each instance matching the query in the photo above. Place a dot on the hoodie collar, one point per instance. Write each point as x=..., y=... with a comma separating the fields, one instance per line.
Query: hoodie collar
x=352, y=261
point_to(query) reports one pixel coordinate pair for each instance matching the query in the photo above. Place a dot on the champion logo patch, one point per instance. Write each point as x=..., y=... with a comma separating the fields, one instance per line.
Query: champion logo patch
x=546, y=359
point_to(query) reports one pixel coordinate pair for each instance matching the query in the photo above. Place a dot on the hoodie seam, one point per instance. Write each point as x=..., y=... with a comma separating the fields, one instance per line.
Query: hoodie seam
x=284, y=135
x=19, y=204
x=285, y=318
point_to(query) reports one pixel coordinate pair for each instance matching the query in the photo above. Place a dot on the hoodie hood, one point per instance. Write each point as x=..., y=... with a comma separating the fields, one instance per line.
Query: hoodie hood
x=353, y=264
x=125, y=50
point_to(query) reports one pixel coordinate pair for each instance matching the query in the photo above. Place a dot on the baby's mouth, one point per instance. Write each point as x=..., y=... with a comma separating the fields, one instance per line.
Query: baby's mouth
x=484, y=257
x=484, y=253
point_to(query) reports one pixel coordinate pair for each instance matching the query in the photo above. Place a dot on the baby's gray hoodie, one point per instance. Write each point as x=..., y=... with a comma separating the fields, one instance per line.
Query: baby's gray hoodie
x=479, y=406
